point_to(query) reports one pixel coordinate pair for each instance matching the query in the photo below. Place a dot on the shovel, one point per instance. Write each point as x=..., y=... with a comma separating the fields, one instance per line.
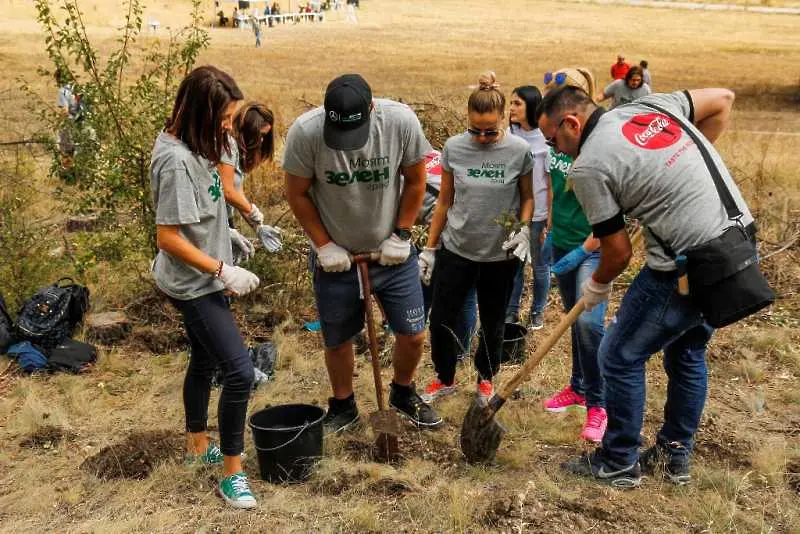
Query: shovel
x=480, y=432
x=386, y=424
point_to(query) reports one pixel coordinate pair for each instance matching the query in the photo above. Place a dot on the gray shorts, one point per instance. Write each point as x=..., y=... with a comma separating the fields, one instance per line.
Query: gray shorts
x=341, y=310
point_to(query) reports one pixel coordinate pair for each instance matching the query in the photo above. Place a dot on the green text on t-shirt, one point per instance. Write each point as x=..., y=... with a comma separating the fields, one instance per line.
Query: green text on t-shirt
x=570, y=227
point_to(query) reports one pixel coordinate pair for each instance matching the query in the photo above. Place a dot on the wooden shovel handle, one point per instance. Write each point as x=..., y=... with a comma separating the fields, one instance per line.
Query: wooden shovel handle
x=542, y=350
x=363, y=269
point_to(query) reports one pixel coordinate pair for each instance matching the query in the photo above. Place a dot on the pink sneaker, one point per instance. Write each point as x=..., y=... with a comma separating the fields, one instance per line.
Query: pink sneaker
x=485, y=389
x=564, y=400
x=596, y=423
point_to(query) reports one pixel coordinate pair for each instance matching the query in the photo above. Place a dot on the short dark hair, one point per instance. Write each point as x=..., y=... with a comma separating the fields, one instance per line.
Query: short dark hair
x=196, y=118
x=567, y=97
x=532, y=97
x=254, y=147
x=643, y=63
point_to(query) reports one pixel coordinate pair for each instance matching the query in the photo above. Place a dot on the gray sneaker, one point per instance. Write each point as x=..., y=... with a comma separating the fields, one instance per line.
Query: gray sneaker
x=537, y=321
x=591, y=465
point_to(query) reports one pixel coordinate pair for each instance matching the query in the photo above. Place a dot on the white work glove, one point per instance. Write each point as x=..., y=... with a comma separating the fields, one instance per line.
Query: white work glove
x=394, y=250
x=595, y=293
x=426, y=260
x=240, y=242
x=333, y=258
x=237, y=280
x=254, y=218
x=521, y=243
x=270, y=237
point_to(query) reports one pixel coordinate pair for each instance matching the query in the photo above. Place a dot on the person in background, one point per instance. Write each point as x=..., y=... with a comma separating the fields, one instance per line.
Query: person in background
x=194, y=269
x=486, y=177
x=522, y=123
x=627, y=90
x=256, y=29
x=251, y=143
x=343, y=162
x=645, y=73
x=620, y=68
x=235, y=17
x=575, y=257
x=67, y=104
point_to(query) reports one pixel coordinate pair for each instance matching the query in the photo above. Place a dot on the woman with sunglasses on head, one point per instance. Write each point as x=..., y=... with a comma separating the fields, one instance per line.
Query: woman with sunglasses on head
x=251, y=143
x=626, y=90
x=194, y=269
x=575, y=256
x=486, y=175
x=522, y=123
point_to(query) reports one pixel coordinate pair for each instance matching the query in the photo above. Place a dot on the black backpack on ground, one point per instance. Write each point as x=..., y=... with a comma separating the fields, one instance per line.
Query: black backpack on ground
x=51, y=315
x=71, y=356
x=6, y=327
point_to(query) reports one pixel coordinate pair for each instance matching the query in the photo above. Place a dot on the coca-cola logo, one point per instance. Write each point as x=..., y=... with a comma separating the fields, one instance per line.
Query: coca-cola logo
x=652, y=131
x=433, y=163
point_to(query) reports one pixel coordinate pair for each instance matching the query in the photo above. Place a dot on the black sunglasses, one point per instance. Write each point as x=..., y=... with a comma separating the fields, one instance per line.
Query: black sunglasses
x=488, y=133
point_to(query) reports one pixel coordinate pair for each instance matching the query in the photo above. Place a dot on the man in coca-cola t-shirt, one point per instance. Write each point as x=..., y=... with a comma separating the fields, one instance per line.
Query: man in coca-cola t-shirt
x=637, y=161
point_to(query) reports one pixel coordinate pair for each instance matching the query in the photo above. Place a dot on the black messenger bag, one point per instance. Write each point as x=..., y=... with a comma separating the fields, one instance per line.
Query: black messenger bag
x=725, y=282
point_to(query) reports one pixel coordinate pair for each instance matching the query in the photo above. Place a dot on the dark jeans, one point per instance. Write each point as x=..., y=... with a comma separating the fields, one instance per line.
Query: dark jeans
x=653, y=317
x=453, y=278
x=587, y=332
x=215, y=339
x=541, y=274
x=465, y=324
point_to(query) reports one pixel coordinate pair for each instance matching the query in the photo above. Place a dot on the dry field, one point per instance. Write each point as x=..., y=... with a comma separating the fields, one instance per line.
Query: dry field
x=747, y=463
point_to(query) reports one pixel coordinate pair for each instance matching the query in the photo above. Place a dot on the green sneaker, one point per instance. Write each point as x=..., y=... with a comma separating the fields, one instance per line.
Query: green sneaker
x=212, y=456
x=236, y=491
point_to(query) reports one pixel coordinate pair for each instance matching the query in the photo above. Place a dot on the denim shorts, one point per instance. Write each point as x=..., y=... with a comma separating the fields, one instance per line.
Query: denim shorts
x=341, y=310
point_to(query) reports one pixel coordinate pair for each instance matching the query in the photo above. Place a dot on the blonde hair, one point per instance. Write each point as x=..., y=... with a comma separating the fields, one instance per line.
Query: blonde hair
x=576, y=77
x=487, y=97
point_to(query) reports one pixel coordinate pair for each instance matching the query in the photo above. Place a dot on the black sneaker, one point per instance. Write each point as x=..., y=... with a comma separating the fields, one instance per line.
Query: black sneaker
x=409, y=404
x=661, y=460
x=342, y=414
x=593, y=466
x=512, y=317
x=537, y=321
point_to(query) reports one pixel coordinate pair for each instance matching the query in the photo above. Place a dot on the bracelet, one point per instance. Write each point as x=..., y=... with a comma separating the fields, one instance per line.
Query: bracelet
x=218, y=272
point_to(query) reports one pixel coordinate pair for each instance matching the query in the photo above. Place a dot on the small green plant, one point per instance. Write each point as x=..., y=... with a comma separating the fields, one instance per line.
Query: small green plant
x=509, y=222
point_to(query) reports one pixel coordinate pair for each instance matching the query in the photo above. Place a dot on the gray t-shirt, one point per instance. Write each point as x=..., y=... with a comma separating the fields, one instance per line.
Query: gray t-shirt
x=539, y=151
x=187, y=194
x=486, y=180
x=638, y=162
x=620, y=93
x=232, y=158
x=357, y=192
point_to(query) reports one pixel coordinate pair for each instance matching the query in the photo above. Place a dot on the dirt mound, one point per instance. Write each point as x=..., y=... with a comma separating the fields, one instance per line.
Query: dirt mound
x=337, y=482
x=413, y=444
x=136, y=456
x=47, y=437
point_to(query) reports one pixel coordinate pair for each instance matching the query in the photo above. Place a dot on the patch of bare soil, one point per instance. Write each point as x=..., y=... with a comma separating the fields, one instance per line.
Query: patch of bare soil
x=47, y=437
x=136, y=456
x=712, y=442
x=159, y=339
x=793, y=475
x=337, y=482
x=412, y=444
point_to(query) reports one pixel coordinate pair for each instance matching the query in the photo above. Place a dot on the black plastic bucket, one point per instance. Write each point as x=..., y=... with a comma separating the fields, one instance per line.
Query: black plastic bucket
x=514, y=342
x=288, y=441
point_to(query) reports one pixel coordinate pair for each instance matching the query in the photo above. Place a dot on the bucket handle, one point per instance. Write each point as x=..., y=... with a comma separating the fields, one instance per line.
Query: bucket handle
x=305, y=426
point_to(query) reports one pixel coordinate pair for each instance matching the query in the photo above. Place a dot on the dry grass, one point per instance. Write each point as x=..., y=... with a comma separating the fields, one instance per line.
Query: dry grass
x=424, y=52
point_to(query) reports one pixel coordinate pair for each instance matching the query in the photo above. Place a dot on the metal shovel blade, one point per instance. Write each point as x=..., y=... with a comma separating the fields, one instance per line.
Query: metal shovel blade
x=386, y=426
x=481, y=433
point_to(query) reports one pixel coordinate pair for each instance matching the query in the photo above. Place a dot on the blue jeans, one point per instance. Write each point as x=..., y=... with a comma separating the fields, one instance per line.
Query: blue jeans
x=464, y=328
x=587, y=332
x=215, y=339
x=541, y=275
x=653, y=317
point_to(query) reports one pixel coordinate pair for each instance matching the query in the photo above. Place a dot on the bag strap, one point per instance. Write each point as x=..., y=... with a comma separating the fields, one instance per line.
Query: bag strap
x=734, y=213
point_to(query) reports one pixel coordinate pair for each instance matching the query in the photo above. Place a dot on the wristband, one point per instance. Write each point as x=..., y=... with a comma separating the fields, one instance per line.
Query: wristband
x=218, y=272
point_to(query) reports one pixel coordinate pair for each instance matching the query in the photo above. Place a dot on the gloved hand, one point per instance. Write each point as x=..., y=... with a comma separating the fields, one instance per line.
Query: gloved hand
x=570, y=261
x=521, y=243
x=237, y=280
x=595, y=293
x=270, y=237
x=426, y=260
x=254, y=218
x=242, y=247
x=394, y=250
x=333, y=258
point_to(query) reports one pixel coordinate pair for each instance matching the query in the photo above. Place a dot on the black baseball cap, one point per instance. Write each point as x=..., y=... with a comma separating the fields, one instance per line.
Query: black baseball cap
x=348, y=100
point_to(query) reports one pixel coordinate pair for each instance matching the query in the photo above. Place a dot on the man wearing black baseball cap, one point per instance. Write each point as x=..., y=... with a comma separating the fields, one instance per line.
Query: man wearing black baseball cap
x=343, y=164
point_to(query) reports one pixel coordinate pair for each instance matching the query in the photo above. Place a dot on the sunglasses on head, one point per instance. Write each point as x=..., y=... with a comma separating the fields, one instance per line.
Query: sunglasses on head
x=559, y=77
x=487, y=133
